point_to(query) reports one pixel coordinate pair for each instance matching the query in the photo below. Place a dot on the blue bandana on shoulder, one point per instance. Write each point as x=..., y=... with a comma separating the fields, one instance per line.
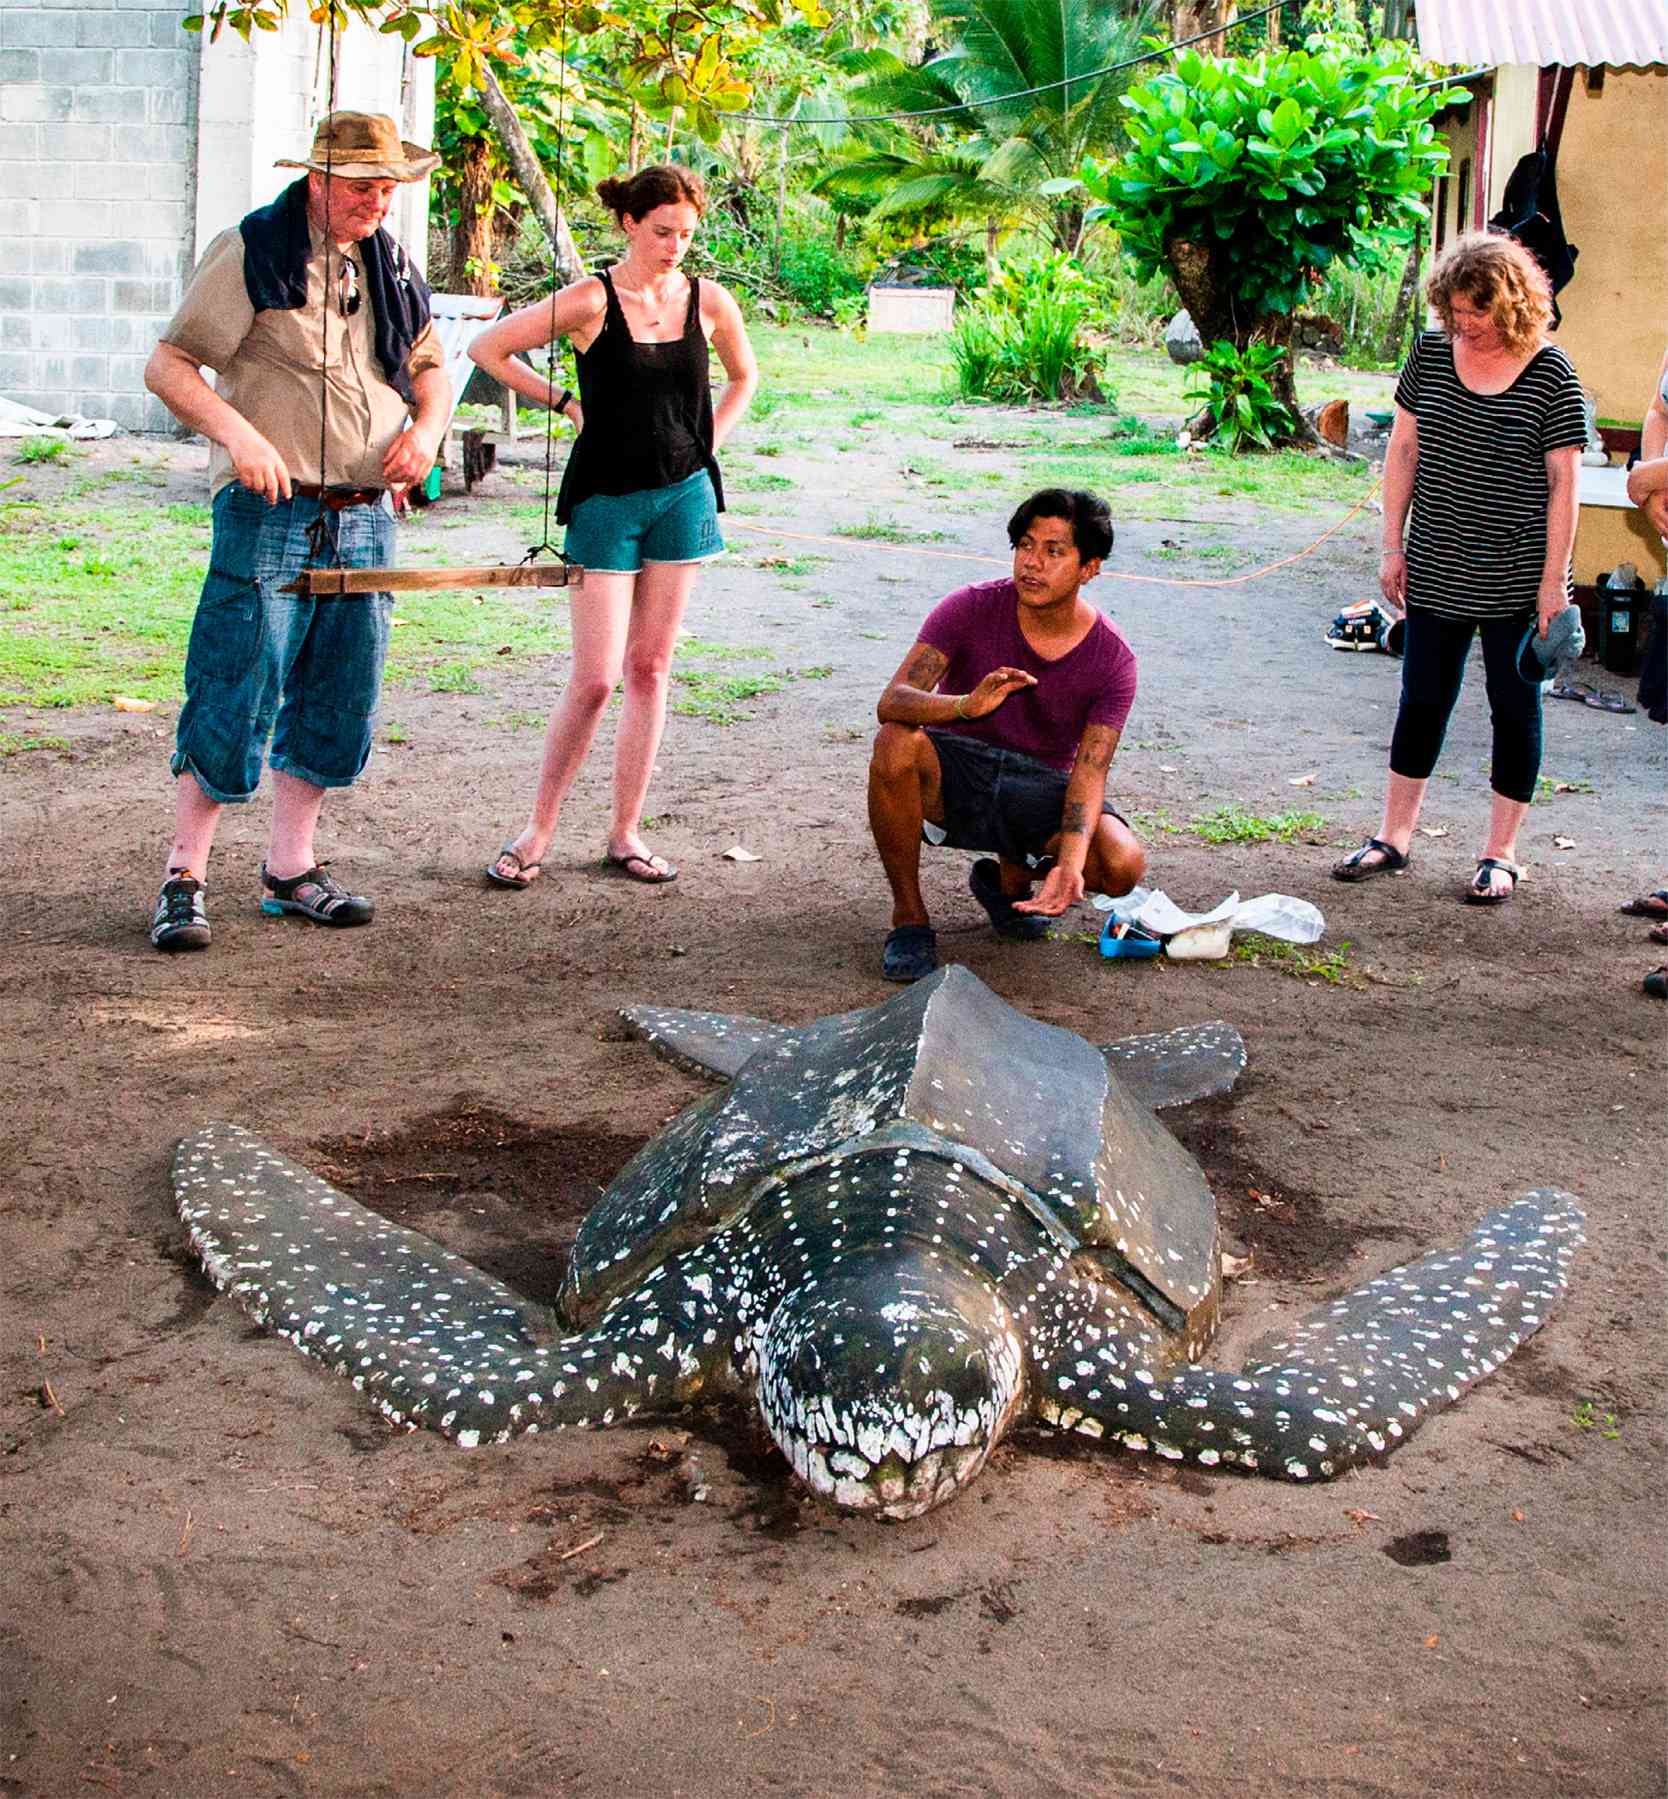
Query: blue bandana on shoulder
x=276, y=250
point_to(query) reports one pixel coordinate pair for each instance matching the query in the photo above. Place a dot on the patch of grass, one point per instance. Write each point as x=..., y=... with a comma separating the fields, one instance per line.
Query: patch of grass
x=21, y=746
x=1151, y=823
x=720, y=698
x=1591, y=1414
x=1306, y=960
x=99, y=602
x=817, y=672
x=44, y=449
x=395, y=733
x=722, y=652
x=517, y=721
x=1230, y=824
x=791, y=565
x=1546, y=786
x=879, y=530
x=454, y=677
x=765, y=483
x=867, y=417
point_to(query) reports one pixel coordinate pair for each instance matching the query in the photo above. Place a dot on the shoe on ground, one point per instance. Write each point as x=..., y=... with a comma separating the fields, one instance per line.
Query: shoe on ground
x=180, y=920
x=911, y=953
x=315, y=895
x=985, y=884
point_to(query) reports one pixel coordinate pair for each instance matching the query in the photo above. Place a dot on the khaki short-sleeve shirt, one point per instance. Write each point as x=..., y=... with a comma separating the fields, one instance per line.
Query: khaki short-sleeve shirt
x=268, y=364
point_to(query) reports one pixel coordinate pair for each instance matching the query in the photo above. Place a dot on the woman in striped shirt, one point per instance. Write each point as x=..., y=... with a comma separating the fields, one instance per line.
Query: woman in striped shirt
x=1484, y=456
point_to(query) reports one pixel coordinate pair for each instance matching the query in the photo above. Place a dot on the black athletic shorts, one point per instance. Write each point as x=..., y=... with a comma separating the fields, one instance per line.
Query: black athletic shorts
x=999, y=800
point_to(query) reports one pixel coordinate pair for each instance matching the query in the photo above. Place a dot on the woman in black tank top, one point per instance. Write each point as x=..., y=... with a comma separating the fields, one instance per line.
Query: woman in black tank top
x=640, y=495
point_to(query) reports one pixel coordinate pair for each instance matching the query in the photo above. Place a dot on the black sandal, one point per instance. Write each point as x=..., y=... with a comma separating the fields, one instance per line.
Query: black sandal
x=1481, y=891
x=1356, y=867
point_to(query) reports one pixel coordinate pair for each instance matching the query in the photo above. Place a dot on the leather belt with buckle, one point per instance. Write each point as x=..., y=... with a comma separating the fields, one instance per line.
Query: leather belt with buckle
x=338, y=499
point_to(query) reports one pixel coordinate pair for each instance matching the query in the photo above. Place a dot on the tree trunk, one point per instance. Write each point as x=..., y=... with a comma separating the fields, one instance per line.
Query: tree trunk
x=472, y=236
x=530, y=177
x=1405, y=296
x=634, y=144
x=1210, y=306
x=1276, y=328
x=1189, y=18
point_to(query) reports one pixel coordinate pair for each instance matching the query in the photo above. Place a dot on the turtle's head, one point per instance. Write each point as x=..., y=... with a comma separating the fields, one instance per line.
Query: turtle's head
x=888, y=1382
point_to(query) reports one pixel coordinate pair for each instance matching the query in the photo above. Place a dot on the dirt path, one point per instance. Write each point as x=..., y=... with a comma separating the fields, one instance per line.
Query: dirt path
x=224, y=1574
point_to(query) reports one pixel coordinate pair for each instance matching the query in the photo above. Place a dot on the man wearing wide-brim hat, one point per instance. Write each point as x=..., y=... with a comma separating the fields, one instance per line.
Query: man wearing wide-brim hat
x=331, y=399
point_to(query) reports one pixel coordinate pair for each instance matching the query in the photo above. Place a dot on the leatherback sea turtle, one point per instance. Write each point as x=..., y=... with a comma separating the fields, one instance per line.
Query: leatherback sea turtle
x=901, y=1231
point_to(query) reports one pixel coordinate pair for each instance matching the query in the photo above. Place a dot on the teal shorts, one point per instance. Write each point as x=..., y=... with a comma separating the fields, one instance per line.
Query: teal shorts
x=615, y=534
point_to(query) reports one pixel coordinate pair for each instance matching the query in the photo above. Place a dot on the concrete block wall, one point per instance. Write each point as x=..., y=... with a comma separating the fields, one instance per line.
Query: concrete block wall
x=126, y=143
x=97, y=178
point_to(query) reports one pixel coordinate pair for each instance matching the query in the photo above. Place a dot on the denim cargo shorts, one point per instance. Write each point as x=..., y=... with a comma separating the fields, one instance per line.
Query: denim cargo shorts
x=306, y=672
x=616, y=533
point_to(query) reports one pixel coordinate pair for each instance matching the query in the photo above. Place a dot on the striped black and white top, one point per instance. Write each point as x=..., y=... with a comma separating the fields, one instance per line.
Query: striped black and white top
x=1476, y=541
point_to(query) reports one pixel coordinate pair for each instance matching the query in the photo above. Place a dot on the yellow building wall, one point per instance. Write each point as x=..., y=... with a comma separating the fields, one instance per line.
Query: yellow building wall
x=1613, y=189
x=1613, y=192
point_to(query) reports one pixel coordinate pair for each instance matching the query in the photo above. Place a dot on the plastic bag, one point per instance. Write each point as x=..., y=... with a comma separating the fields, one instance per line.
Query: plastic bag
x=1272, y=914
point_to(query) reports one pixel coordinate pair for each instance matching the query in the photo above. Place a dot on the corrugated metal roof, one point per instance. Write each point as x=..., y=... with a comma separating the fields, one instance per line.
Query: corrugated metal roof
x=1568, y=32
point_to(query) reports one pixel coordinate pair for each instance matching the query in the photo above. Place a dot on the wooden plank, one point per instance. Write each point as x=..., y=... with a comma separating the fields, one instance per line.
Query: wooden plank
x=428, y=580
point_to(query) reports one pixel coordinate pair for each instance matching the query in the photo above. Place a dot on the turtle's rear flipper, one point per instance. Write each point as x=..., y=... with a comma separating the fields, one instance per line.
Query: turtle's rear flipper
x=702, y=1042
x=1356, y=1377
x=427, y=1336
x=1173, y=1068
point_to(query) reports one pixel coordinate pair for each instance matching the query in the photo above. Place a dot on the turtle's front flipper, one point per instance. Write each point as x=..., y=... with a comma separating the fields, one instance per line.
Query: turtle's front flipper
x=702, y=1042
x=1354, y=1378
x=1172, y=1068
x=426, y=1335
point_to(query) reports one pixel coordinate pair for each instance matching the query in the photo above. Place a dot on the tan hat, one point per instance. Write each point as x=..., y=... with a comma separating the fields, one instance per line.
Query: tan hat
x=364, y=146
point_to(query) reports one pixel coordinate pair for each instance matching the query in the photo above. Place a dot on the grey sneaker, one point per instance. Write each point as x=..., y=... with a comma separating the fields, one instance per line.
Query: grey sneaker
x=317, y=896
x=180, y=920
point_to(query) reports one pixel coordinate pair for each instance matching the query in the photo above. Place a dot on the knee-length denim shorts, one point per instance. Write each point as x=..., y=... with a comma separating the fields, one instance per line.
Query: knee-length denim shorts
x=307, y=672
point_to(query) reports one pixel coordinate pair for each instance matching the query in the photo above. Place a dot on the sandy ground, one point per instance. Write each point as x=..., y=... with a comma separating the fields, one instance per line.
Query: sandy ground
x=225, y=1574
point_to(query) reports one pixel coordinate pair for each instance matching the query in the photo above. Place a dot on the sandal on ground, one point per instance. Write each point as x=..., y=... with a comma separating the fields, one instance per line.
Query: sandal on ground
x=985, y=883
x=180, y=920
x=651, y=870
x=1578, y=691
x=1356, y=866
x=1656, y=982
x=1647, y=905
x=315, y=895
x=526, y=870
x=1608, y=702
x=1481, y=891
x=911, y=953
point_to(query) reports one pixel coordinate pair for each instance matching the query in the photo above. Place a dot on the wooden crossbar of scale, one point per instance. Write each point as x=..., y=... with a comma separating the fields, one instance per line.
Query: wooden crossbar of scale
x=319, y=583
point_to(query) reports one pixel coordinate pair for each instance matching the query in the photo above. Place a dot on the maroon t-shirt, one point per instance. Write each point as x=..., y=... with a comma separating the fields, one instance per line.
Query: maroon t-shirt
x=977, y=629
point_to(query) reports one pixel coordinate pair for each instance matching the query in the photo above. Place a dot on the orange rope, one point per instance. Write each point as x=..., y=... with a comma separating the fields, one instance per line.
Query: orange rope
x=1111, y=574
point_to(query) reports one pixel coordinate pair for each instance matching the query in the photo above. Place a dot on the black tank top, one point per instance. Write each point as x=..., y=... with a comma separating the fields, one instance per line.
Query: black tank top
x=648, y=410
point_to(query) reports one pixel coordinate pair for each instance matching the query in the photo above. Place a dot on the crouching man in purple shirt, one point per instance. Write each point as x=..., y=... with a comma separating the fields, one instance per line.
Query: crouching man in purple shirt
x=997, y=732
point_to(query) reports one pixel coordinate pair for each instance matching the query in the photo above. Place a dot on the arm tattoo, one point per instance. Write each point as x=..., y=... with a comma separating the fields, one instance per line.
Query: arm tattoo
x=1074, y=819
x=1097, y=747
x=925, y=669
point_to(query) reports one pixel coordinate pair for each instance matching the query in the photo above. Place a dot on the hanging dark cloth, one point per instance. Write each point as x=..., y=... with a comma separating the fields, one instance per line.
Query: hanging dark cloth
x=1529, y=206
x=277, y=247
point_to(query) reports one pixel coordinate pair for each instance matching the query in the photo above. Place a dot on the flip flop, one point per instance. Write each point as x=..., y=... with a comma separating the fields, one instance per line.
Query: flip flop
x=1608, y=702
x=526, y=873
x=1570, y=690
x=651, y=870
x=1648, y=905
x=1481, y=893
x=1356, y=867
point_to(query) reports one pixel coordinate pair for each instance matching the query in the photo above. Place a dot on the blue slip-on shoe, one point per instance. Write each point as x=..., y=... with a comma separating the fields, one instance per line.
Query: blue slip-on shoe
x=911, y=952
